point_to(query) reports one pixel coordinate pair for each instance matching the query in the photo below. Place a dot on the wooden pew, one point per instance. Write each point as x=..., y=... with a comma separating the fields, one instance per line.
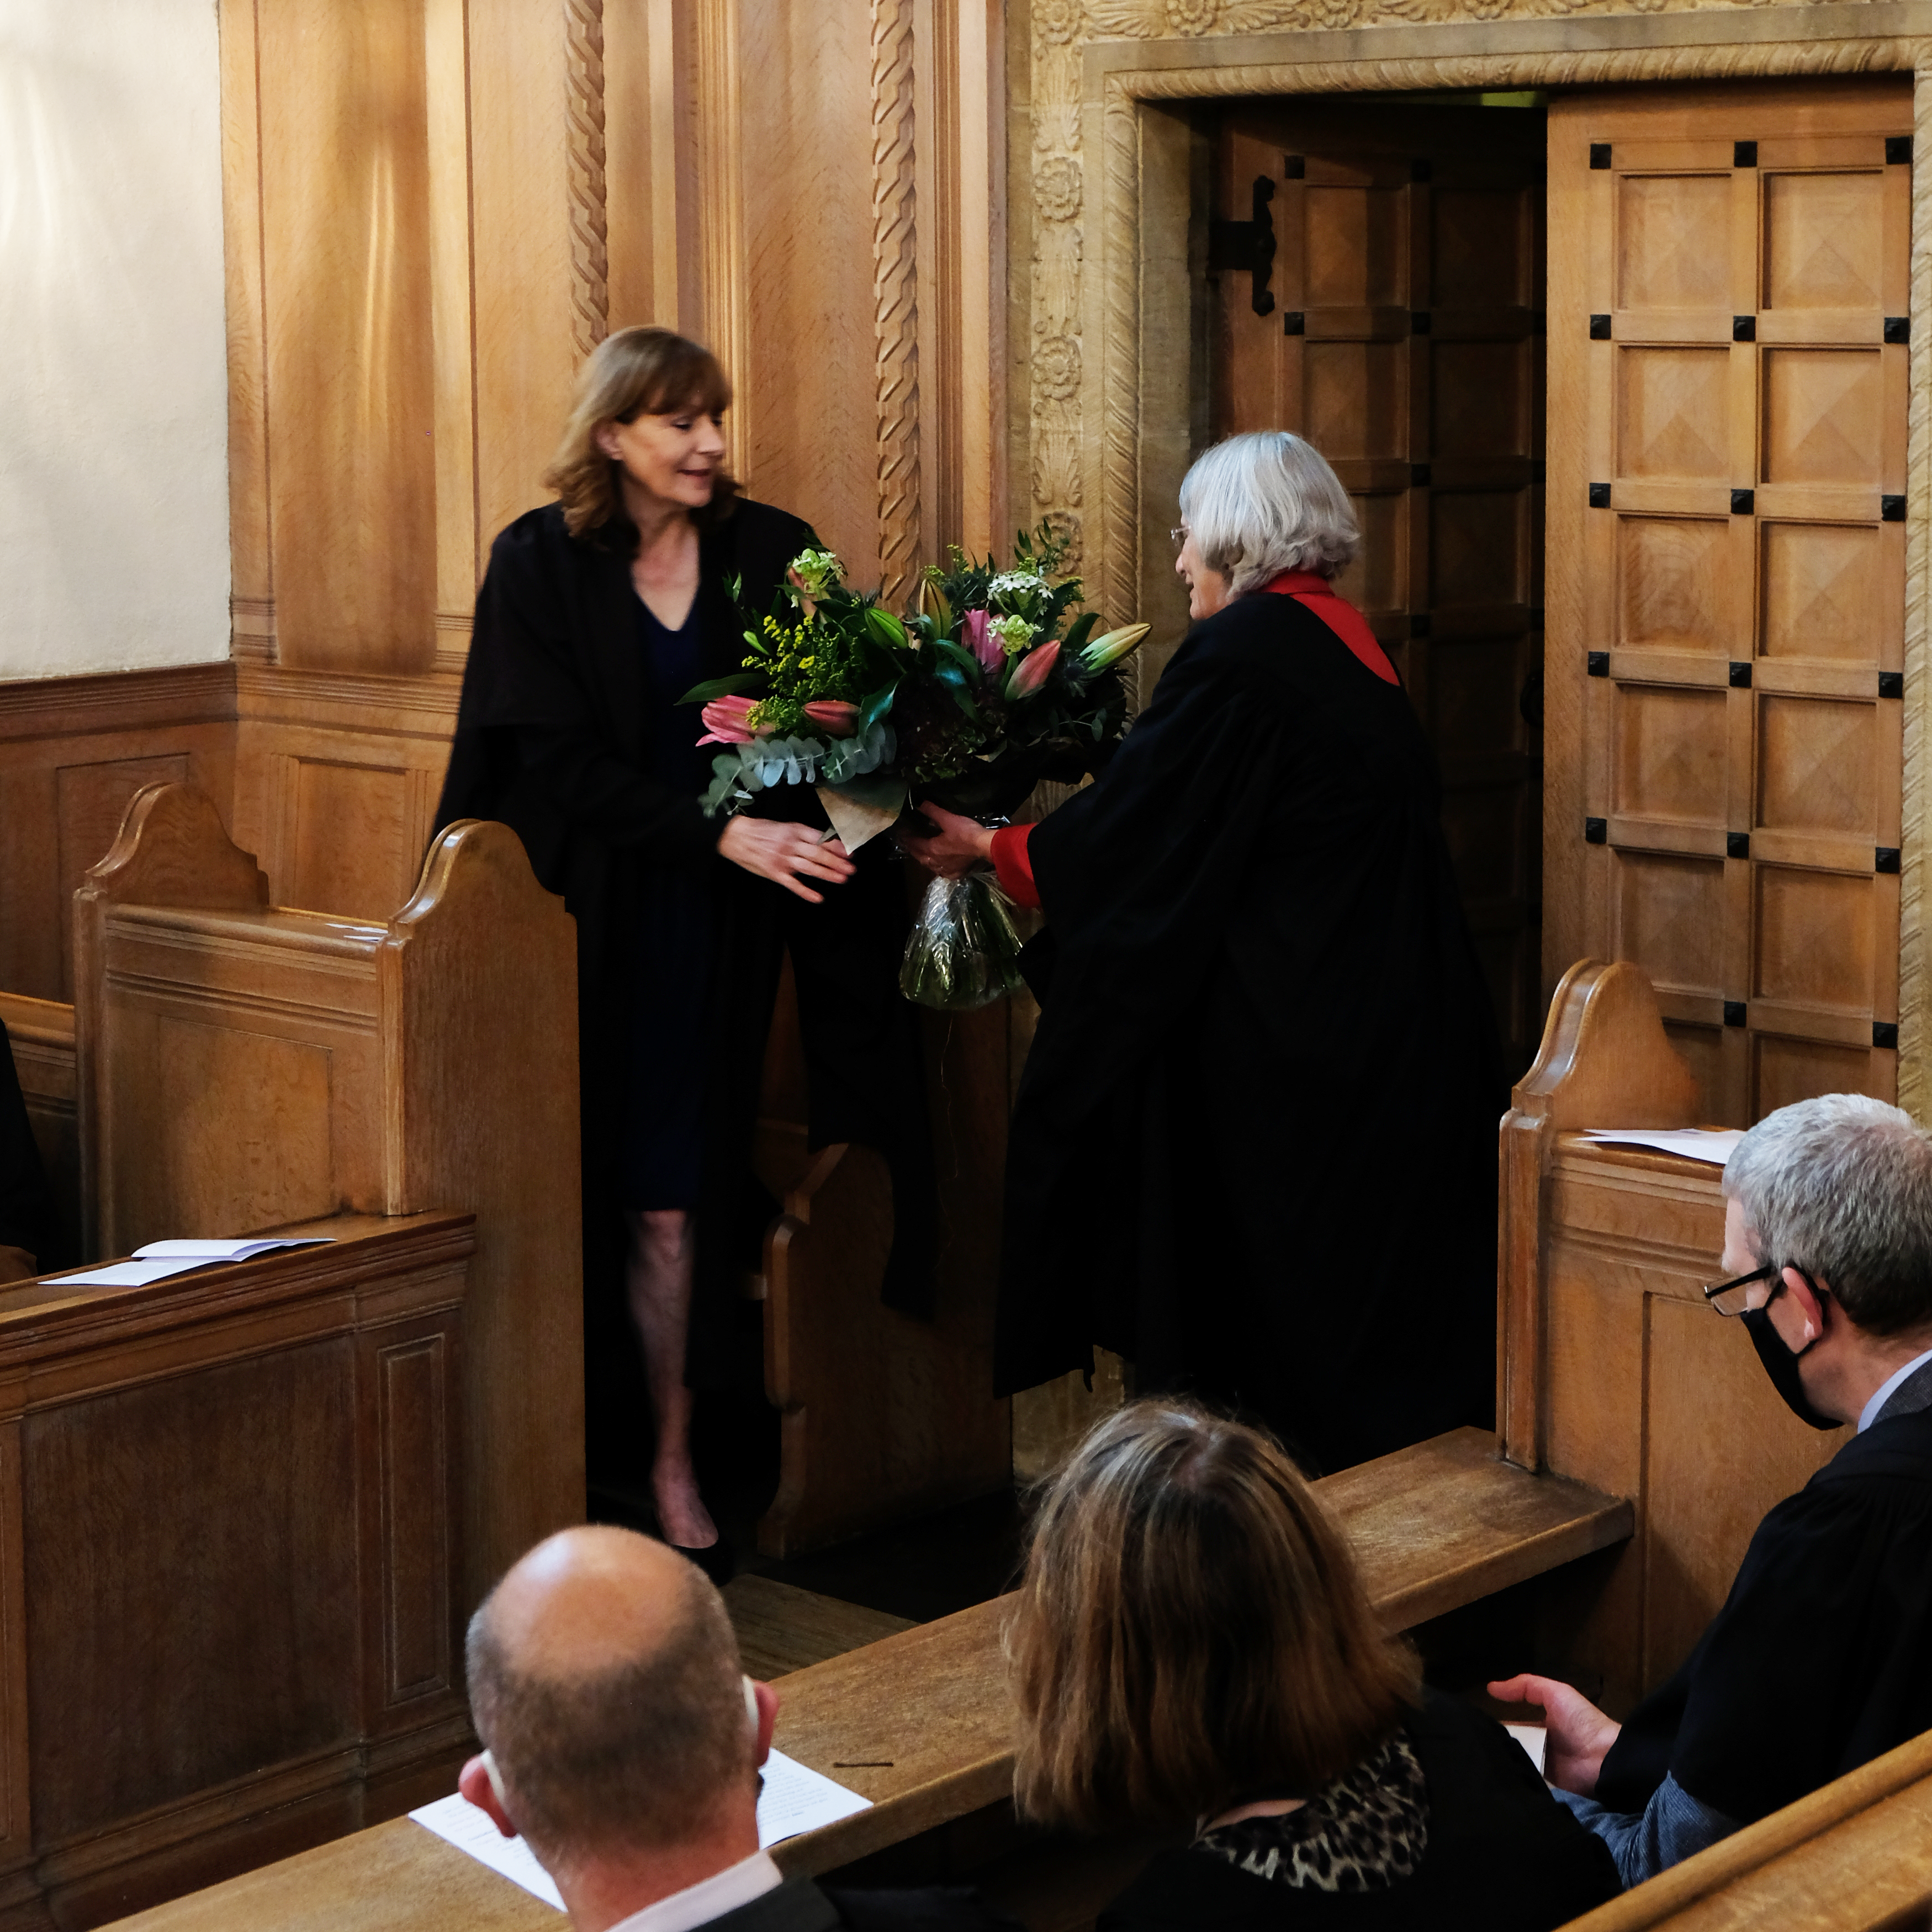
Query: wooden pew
x=1437, y=1527
x=230, y=1562
x=1612, y=1370
x=241, y=1067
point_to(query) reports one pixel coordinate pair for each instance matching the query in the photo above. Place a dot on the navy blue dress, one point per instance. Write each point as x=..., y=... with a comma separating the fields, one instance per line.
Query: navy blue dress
x=664, y=1126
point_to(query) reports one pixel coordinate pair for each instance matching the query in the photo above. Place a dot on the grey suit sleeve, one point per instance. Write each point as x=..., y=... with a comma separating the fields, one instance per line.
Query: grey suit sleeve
x=1673, y=1827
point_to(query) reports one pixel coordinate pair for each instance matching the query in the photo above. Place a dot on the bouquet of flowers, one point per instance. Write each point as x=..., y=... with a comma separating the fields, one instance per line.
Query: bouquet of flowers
x=989, y=684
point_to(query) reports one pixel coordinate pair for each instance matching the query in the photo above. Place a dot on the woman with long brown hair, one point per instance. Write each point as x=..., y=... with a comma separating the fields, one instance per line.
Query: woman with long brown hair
x=1192, y=1651
x=598, y=613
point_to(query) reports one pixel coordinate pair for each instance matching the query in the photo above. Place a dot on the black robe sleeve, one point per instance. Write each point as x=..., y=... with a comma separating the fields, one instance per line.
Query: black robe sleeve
x=28, y=1218
x=1820, y=1658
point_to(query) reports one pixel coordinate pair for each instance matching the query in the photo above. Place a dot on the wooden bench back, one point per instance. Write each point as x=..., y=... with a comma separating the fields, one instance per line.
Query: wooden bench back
x=240, y=1065
x=1611, y=1368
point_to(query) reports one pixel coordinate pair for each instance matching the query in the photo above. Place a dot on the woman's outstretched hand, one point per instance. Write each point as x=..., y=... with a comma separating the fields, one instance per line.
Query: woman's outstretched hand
x=786, y=854
x=1578, y=1734
x=957, y=847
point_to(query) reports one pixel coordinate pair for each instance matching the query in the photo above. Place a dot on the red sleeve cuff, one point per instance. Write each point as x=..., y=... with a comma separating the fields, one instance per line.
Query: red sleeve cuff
x=1009, y=862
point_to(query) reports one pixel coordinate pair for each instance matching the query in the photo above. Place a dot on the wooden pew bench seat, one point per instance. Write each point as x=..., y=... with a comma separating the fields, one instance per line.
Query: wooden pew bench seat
x=920, y=1722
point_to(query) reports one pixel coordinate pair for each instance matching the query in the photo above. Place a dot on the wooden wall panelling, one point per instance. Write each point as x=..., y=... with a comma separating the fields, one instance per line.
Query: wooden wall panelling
x=351, y=371
x=520, y=208
x=74, y=750
x=251, y=591
x=452, y=327
x=1743, y=588
x=193, y=1479
x=244, y=1066
x=806, y=261
x=337, y=782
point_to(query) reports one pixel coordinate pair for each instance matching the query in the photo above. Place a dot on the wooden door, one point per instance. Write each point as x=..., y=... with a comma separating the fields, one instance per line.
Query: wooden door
x=1398, y=325
x=1728, y=370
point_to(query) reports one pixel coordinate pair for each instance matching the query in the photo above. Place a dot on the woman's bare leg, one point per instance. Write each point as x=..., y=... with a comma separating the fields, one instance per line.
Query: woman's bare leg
x=658, y=1272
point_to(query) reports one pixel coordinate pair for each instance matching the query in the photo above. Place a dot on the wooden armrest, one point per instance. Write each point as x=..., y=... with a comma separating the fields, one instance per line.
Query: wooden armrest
x=920, y=1722
x=1856, y=1856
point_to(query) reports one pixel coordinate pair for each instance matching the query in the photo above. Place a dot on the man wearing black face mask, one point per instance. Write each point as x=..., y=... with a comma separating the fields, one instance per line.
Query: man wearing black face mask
x=1821, y=1657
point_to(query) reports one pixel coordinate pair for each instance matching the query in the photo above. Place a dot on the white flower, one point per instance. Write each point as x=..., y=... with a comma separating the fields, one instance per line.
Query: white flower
x=1017, y=583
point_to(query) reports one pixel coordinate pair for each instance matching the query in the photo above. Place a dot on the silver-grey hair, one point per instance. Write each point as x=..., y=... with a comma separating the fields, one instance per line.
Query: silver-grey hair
x=1258, y=505
x=1841, y=1187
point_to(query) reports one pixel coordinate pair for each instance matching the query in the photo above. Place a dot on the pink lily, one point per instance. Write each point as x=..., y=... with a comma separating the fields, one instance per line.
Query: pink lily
x=987, y=649
x=1032, y=671
x=727, y=721
x=837, y=717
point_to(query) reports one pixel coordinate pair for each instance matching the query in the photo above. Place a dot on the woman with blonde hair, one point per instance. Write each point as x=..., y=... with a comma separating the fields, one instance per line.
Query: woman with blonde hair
x=599, y=612
x=1192, y=1651
x=1254, y=1148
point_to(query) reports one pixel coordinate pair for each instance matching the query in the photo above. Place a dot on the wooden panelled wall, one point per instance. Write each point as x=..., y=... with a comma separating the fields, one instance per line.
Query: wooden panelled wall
x=435, y=208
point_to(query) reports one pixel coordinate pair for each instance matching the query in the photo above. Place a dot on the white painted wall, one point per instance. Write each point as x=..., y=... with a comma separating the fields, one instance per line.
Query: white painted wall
x=113, y=388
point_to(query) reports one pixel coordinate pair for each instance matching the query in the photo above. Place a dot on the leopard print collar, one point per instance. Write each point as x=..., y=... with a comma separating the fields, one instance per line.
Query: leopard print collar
x=1365, y=1831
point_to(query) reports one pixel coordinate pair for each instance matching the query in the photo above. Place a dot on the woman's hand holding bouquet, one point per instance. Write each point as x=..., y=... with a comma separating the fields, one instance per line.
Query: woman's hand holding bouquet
x=989, y=684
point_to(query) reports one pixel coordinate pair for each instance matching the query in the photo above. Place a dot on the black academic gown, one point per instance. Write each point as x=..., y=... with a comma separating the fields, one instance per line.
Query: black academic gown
x=1254, y=1147
x=1821, y=1658
x=29, y=1219
x=551, y=738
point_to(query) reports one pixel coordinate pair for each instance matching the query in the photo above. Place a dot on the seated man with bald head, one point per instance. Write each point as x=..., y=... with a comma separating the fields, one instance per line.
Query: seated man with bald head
x=623, y=1742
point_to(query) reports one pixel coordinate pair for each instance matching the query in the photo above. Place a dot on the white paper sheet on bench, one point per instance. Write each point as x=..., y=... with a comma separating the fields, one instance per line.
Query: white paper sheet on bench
x=159, y=1259
x=795, y=1798
x=246, y=1248
x=469, y=1829
x=129, y=1274
x=1711, y=1143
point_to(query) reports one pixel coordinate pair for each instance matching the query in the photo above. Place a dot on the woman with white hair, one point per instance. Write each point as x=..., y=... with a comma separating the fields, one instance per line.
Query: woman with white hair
x=1254, y=1149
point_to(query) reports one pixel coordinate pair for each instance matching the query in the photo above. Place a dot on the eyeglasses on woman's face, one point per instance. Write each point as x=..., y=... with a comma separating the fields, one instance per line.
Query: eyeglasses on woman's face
x=1179, y=535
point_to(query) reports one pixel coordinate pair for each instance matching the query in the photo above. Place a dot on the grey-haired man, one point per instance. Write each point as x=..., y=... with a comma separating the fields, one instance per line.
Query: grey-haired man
x=1821, y=1657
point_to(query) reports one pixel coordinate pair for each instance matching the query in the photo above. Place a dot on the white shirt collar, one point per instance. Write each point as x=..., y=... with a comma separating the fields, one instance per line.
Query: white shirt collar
x=1869, y=1414
x=710, y=1898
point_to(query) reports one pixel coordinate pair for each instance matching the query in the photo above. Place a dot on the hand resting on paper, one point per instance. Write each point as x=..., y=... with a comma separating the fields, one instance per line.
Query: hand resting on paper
x=1579, y=1733
x=955, y=846
x=786, y=854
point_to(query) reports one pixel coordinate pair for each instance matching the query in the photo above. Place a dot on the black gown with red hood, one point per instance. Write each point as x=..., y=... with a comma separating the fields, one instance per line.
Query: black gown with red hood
x=1254, y=1148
